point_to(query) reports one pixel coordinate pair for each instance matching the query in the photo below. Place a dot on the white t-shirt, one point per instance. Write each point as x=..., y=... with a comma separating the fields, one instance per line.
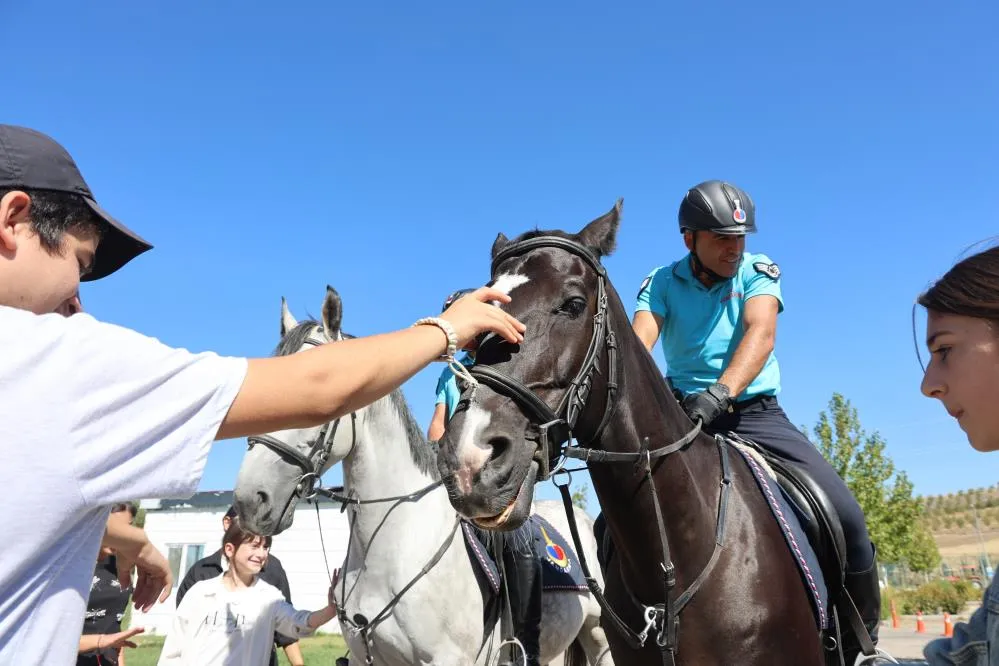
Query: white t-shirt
x=90, y=414
x=214, y=626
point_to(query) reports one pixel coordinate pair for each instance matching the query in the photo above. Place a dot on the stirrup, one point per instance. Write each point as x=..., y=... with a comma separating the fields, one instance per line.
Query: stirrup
x=878, y=656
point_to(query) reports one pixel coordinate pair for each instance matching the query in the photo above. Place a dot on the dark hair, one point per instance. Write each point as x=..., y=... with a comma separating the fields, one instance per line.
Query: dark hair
x=231, y=513
x=237, y=535
x=125, y=506
x=970, y=288
x=54, y=213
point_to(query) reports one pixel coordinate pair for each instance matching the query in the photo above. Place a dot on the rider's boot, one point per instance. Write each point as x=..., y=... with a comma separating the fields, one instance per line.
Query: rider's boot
x=865, y=591
x=524, y=573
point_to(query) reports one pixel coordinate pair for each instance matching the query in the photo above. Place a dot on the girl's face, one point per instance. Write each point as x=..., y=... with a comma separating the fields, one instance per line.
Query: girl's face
x=249, y=558
x=963, y=374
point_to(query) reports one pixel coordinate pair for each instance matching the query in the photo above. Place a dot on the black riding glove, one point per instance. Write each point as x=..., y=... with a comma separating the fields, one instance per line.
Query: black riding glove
x=707, y=405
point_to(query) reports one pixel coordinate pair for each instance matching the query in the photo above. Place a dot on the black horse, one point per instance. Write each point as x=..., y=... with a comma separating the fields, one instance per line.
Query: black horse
x=695, y=538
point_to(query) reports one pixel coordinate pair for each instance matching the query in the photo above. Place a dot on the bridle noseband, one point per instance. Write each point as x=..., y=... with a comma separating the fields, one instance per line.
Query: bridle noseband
x=319, y=452
x=552, y=430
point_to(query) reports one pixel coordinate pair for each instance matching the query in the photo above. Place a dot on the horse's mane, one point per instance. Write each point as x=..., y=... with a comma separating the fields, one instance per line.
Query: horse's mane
x=419, y=448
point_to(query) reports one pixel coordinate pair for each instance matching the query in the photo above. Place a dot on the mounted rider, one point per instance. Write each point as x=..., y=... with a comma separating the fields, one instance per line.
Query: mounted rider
x=522, y=569
x=715, y=311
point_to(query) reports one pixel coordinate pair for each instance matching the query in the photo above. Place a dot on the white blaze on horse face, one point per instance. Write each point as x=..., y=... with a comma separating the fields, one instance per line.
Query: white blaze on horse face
x=471, y=454
x=510, y=281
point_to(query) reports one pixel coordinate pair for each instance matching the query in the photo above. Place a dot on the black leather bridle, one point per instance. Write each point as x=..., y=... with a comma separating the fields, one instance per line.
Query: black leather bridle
x=552, y=430
x=312, y=463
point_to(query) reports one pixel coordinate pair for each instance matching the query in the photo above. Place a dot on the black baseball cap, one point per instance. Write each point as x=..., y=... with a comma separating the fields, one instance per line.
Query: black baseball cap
x=31, y=160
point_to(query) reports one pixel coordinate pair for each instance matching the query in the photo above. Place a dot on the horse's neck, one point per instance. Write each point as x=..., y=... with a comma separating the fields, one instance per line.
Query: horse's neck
x=382, y=465
x=689, y=478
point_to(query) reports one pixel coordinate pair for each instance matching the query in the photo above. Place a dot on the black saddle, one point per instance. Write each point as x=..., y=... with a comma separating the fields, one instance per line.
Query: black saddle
x=816, y=513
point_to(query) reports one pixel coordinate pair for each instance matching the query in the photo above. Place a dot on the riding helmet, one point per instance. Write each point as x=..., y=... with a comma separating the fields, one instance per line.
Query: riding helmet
x=717, y=206
x=449, y=301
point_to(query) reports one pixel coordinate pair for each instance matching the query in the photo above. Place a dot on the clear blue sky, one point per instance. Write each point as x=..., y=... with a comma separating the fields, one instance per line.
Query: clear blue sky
x=379, y=147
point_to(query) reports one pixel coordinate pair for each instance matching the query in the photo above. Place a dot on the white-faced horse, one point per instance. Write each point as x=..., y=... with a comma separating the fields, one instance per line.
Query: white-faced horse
x=408, y=576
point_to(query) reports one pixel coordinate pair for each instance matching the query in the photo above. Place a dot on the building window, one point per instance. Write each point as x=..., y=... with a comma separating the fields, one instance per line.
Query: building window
x=174, y=554
x=182, y=557
x=194, y=553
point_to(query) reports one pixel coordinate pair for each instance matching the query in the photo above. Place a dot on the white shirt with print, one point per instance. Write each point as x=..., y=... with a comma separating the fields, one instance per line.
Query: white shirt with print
x=215, y=626
x=90, y=414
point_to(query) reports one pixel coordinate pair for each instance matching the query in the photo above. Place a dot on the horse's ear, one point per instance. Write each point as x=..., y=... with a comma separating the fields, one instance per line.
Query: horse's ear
x=288, y=322
x=501, y=242
x=332, y=313
x=601, y=233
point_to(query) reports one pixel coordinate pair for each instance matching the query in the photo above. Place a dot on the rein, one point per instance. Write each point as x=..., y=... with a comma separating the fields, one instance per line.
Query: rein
x=552, y=431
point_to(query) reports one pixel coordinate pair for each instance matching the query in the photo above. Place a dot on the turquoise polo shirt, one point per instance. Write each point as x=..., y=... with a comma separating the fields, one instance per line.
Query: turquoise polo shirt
x=447, y=385
x=702, y=327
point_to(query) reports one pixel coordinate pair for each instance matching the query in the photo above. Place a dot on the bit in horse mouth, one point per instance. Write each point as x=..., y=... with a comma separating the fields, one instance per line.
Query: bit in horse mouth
x=522, y=500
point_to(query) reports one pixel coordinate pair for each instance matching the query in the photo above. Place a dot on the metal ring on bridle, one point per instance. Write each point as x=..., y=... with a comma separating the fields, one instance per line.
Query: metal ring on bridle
x=313, y=487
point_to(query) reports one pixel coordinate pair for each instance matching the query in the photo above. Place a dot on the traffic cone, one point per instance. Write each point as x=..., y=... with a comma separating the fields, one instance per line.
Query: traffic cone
x=920, y=625
x=894, y=615
x=948, y=625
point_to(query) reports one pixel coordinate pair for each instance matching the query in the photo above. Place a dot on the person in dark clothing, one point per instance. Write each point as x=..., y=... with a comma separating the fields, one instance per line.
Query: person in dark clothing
x=102, y=639
x=273, y=573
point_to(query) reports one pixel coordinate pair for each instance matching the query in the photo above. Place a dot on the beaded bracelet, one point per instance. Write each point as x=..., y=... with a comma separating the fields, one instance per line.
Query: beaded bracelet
x=444, y=325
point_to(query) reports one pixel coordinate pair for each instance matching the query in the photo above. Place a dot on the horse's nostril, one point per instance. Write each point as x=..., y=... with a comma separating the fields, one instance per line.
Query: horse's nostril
x=498, y=446
x=263, y=498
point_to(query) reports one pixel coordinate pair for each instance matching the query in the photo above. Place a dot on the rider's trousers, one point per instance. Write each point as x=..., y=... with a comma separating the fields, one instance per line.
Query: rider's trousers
x=764, y=422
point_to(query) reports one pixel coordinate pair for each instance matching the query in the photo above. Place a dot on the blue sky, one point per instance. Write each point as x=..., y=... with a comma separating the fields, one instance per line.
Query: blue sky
x=379, y=147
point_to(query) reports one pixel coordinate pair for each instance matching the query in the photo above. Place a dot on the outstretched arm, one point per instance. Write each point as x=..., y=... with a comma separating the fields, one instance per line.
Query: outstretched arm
x=325, y=383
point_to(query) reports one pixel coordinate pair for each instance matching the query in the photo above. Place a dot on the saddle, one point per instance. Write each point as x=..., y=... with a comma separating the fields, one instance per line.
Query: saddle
x=816, y=513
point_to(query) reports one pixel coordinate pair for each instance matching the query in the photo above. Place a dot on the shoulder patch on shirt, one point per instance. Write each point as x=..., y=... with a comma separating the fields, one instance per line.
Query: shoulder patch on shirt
x=770, y=270
x=645, y=283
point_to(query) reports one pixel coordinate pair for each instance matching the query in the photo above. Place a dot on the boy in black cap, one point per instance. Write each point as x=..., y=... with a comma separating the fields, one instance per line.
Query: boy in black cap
x=92, y=414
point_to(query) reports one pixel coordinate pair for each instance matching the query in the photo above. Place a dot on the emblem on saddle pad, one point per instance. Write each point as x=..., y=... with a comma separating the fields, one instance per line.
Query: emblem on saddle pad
x=770, y=270
x=555, y=553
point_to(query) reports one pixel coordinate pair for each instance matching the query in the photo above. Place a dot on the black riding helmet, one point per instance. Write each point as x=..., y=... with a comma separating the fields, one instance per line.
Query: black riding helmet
x=449, y=301
x=720, y=207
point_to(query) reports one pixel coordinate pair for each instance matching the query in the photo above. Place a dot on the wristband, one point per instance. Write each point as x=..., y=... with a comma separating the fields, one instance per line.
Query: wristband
x=444, y=325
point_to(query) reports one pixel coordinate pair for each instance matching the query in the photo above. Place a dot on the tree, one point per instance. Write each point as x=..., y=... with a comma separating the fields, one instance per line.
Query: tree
x=579, y=496
x=884, y=494
x=923, y=555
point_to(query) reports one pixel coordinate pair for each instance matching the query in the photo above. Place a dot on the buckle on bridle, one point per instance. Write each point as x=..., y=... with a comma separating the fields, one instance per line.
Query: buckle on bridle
x=555, y=432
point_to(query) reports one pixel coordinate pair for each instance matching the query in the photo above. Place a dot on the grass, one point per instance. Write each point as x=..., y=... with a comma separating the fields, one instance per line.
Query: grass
x=321, y=649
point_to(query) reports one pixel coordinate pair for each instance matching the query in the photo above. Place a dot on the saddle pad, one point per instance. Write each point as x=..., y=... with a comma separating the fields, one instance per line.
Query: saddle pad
x=560, y=570
x=560, y=565
x=801, y=549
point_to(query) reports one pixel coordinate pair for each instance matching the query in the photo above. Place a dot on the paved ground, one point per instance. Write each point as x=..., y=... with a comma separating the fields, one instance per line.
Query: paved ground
x=905, y=644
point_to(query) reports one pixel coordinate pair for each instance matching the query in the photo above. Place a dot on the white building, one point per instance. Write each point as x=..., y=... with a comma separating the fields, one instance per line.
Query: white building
x=187, y=530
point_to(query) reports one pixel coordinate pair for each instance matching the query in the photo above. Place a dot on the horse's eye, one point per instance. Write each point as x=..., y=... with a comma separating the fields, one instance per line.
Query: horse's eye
x=573, y=307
